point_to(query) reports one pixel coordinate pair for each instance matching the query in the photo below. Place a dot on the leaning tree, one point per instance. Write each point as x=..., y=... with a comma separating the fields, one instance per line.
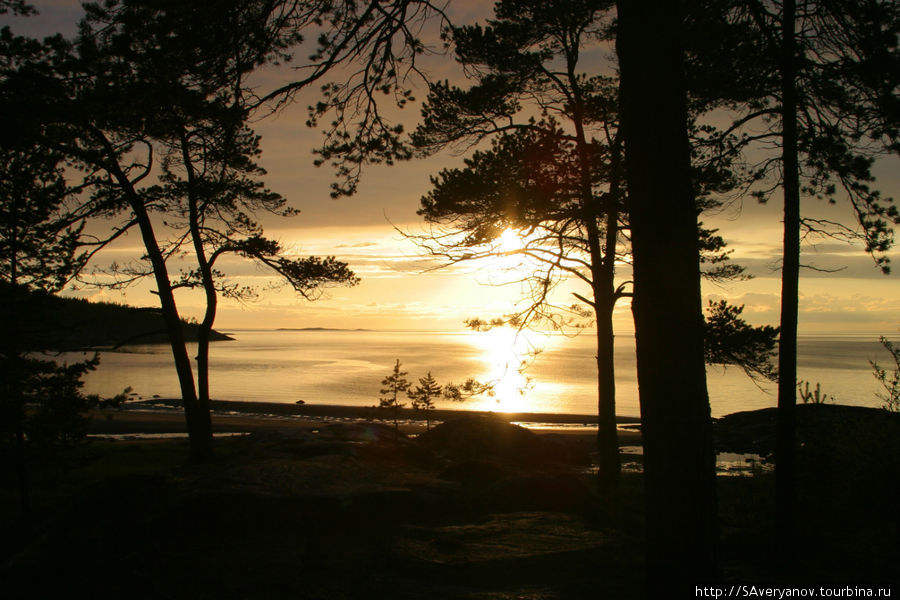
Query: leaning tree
x=165, y=84
x=158, y=90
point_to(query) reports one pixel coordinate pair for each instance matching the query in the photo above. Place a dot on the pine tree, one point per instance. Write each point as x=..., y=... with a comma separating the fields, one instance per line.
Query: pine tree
x=394, y=384
x=423, y=396
x=679, y=459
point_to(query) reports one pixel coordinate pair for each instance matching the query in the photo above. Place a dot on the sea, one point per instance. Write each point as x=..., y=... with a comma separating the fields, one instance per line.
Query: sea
x=526, y=371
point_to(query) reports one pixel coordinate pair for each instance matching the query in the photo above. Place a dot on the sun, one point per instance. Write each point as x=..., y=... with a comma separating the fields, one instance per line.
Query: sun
x=507, y=258
x=509, y=241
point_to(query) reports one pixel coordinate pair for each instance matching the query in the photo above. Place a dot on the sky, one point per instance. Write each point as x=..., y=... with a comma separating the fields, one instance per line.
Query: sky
x=401, y=289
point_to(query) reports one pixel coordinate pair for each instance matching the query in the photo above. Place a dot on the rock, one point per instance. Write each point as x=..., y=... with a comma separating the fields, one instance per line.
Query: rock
x=478, y=437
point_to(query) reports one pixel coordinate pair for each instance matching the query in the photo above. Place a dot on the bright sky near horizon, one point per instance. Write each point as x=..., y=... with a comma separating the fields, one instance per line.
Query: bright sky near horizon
x=398, y=291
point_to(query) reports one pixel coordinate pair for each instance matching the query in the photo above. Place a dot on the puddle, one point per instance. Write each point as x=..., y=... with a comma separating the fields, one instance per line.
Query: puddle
x=727, y=463
x=119, y=437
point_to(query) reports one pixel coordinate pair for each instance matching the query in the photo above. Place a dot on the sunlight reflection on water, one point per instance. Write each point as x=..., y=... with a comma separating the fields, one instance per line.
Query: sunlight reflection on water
x=346, y=367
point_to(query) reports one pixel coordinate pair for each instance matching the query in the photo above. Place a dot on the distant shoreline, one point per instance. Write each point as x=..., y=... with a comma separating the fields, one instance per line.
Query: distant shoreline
x=318, y=329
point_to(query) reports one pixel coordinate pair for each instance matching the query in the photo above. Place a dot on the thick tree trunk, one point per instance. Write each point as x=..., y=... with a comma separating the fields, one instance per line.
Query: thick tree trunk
x=679, y=462
x=785, y=436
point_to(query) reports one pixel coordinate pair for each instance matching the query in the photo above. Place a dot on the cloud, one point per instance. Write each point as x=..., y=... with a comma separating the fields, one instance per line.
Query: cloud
x=359, y=245
x=819, y=265
x=823, y=310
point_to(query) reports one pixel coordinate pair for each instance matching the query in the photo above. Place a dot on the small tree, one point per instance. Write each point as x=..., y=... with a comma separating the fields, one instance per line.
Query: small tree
x=422, y=396
x=890, y=381
x=812, y=397
x=394, y=384
x=58, y=407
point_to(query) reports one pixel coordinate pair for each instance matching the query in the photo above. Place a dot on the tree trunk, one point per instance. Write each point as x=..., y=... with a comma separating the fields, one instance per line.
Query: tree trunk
x=199, y=431
x=609, y=467
x=785, y=436
x=679, y=462
x=209, y=289
x=603, y=267
x=602, y=283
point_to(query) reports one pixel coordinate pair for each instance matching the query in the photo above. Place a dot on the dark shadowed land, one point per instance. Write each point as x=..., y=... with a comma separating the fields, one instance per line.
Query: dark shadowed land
x=343, y=507
x=60, y=323
x=164, y=416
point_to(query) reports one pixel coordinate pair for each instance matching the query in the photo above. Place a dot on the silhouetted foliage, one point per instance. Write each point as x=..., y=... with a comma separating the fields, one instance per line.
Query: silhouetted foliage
x=812, y=397
x=16, y=7
x=729, y=340
x=56, y=407
x=817, y=85
x=460, y=392
x=165, y=84
x=889, y=379
x=552, y=175
x=40, y=232
x=423, y=396
x=370, y=50
x=394, y=385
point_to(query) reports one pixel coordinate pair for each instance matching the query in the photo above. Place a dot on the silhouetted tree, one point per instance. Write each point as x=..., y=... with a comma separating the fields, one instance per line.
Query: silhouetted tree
x=394, y=385
x=144, y=78
x=889, y=380
x=189, y=63
x=366, y=56
x=423, y=396
x=679, y=461
x=556, y=181
x=38, y=253
x=186, y=66
x=41, y=229
x=819, y=79
x=210, y=185
x=553, y=173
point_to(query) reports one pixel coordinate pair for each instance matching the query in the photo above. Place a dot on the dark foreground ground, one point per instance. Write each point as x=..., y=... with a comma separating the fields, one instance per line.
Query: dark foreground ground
x=475, y=509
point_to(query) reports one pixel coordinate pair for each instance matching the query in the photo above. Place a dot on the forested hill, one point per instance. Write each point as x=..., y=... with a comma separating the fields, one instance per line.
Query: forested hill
x=49, y=322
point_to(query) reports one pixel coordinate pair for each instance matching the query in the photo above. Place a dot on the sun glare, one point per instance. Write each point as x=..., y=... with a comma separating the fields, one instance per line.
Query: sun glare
x=507, y=261
x=504, y=352
x=510, y=241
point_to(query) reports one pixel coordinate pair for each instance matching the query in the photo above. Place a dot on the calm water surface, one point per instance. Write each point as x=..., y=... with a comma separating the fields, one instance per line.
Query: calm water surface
x=346, y=367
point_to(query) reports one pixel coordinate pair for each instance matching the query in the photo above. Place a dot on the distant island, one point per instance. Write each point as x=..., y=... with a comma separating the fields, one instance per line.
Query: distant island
x=57, y=323
x=317, y=329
